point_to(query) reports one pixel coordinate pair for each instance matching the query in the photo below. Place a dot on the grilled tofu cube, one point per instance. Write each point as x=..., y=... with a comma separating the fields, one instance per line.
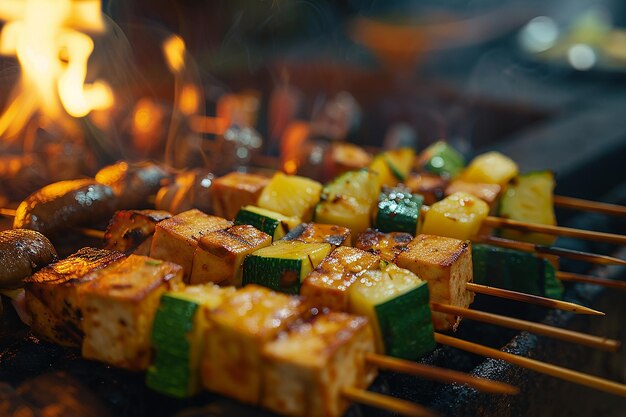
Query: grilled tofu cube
x=179, y=336
x=489, y=193
x=328, y=284
x=132, y=230
x=446, y=264
x=176, y=238
x=491, y=168
x=235, y=190
x=274, y=224
x=52, y=294
x=242, y=324
x=219, y=255
x=386, y=245
x=430, y=186
x=320, y=233
x=291, y=195
x=459, y=215
x=284, y=265
x=306, y=369
x=119, y=309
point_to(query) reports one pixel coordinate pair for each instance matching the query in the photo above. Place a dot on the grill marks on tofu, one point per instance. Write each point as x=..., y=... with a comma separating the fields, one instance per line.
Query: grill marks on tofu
x=175, y=239
x=446, y=264
x=320, y=233
x=119, y=310
x=306, y=367
x=132, y=230
x=52, y=294
x=386, y=245
x=235, y=190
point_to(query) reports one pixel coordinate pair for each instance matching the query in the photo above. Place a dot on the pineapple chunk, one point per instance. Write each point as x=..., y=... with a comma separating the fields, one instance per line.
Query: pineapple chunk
x=327, y=285
x=386, y=245
x=176, y=238
x=489, y=193
x=306, y=368
x=430, y=186
x=447, y=265
x=219, y=255
x=491, y=168
x=291, y=195
x=235, y=190
x=132, y=230
x=459, y=215
x=241, y=325
x=320, y=233
x=119, y=310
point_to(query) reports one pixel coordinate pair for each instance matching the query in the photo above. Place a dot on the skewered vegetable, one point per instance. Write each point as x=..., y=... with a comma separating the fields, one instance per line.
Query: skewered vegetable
x=398, y=211
x=132, y=230
x=291, y=195
x=274, y=224
x=393, y=166
x=459, y=216
x=490, y=168
x=431, y=187
x=441, y=159
x=489, y=193
x=22, y=252
x=320, y=233
x=235, y=190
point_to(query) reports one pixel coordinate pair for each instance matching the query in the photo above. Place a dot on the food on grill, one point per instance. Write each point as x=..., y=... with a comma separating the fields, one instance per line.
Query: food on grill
x=446, y=264
x=431, y=187
x=386, y=245
x=133, y=183
x=22, y=252
x=489, y=193
x=291, y=195
x=393, y=166
x=65, y=204
x=132, y=230
x=119, y=306
x=349, y=200
x=320, y=233
x=274, y=224
x=459, y=215
x=190, y=189
x=343, y=157
x=220, y=254
x=529, y=199
x=236, y=190
x=398, y=211
x=178, y=338
x=304, y=374
x=441, y=159
x=53, y=294
x=327, y=285
x=490, y=168
x=176, y=239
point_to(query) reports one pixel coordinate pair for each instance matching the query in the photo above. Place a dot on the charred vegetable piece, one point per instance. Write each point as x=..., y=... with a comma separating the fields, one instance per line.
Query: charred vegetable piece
x=307, y=367
x=291, y=195
x=489, y=193
x=235, y=190
x=490, y=168
x=274, y=224
x=132, y=230
x=220, y=254
x=190, y=190
x=429, y=186
x=441, y=159
x=283, y=266
x=398, y=211
x=396, y=303
x=459, y=215
x=349, y=201
x=178, y=338
x=515, y=270
x=133, y=183
x=529, y=199
x=320, y=233
x=446, y=264
x=22, y=252
x=386, y=245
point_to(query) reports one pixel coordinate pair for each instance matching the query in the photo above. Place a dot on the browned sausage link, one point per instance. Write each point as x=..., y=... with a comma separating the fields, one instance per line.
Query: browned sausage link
x=22, y=252
x=65, y=204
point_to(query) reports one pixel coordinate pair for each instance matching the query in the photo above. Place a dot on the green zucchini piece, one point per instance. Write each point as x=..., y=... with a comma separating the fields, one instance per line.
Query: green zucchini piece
x=267, y=221
x=398, y=211
x=442, y=159
x=400, y=162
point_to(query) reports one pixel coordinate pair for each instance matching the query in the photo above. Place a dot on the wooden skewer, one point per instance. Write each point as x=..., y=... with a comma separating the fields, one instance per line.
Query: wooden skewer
x=586, y=205
x=532, y=299
x=551, y=250
x=7, y=212
x=605, y=282
x=434, y=373
x=385, y=402
x=535, y=365
x=499, y=222
x=529, y=326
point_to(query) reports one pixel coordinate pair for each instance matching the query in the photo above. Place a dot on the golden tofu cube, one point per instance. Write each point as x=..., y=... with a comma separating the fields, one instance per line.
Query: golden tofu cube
x=491, y=168
x=489, y=193
x=446, y=264
x=430, y=186
x=219, y=255
x=176, y=238
x=235, y=190
x=321, y=233
x=327, y=285
x=241, y=325
x=119, y=309
x=129, y=230
x=306, y=369
x=459, y=215
x=386, y=245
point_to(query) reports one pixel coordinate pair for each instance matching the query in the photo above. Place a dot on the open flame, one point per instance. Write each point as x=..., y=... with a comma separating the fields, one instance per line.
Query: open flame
x=49, y=40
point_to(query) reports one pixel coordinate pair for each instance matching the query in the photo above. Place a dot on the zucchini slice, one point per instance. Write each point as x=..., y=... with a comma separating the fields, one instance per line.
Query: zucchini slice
x=441, y=159
x=291, y=195
x=398, y=211
x=393, y=166
x=267, y=221
x=284, y=265
x=396, y=302
x=320, y=233
x=529, y=199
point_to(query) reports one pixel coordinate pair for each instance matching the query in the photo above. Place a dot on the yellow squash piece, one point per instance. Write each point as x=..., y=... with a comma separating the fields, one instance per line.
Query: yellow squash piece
x=491, y=168
x=459, y=215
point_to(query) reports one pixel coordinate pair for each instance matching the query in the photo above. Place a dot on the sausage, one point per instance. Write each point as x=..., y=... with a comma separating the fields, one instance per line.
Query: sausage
x=65, y=204
x=22, y=252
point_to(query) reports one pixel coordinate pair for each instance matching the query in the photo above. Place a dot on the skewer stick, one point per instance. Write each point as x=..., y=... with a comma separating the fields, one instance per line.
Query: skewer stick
x=385, y=402
x=434, y=373
x=586, y=205
x=551, y=250
x=499, y=222
x=535, y=365
x=532, y=299
x=605, y=282
x=7, y=212
x=537, y=328
x=97, y=234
